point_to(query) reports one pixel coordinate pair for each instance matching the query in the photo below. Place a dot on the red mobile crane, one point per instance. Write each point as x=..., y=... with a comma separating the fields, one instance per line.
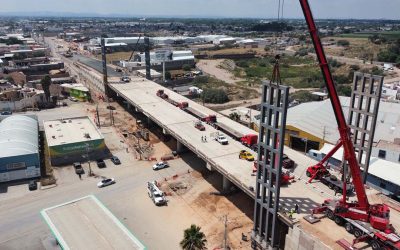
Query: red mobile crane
x=368, y=222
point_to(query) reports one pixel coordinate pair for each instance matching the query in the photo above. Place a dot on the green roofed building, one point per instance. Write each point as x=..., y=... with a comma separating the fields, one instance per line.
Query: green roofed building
x=85, y=223
x=74, y=140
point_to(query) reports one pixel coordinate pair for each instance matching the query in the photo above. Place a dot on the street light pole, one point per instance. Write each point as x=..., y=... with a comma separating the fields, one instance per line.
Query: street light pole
x=88, y=159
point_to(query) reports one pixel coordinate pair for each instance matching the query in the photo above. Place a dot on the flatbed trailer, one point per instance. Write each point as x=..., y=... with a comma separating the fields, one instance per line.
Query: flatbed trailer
x=228, y=130
x=195, y=113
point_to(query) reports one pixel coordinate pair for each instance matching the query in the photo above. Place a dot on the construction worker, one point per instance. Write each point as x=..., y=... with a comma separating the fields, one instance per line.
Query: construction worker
x=205, y=138
x=80, y=176
x=296, y=208
x=202, y=138
x=291, y=212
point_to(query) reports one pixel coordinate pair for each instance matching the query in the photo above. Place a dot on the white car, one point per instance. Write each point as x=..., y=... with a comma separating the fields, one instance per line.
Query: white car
x=160, y=165
x=222, y=140
x=73, y=99
x=106, y=182
x=125, y=79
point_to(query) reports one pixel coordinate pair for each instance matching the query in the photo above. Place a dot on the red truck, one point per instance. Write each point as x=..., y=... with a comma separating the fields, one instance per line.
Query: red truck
x=249, y=140
x=160, y=93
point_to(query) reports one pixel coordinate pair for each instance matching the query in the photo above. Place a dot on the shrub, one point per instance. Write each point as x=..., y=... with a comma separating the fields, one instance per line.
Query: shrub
x=343, y=43
x=214, y=96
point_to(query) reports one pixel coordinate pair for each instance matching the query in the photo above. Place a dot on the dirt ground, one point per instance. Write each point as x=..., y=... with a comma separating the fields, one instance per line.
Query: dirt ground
x=212, y=68
x=213, y=207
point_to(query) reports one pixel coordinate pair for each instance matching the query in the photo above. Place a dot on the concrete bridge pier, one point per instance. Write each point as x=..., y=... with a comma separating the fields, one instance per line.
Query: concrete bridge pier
x=226, y=184
x=180, y=148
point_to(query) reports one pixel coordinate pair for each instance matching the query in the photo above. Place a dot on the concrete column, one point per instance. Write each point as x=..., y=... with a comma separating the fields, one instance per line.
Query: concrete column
x=226, y=184
x=209, y=167
x=179, y=147
x=149, y=122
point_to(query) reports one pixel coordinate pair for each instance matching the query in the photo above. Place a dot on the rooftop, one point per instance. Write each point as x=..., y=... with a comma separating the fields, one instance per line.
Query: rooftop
x=382, y=144
x=18, y=136
x=317, y=118
x=71, y=130
x=100, y=230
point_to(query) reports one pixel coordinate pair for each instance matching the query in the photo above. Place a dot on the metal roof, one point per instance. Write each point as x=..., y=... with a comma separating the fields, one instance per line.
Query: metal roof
x=18, y=136
x=385, y=170
x=318, y=119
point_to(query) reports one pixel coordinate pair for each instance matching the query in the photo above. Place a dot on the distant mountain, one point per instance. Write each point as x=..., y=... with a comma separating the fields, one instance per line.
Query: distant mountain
x=58, y=14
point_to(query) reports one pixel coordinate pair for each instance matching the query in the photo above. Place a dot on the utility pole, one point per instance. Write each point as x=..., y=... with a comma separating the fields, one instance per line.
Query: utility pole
x=225, y=232
x=88, y=159
x=98, y=117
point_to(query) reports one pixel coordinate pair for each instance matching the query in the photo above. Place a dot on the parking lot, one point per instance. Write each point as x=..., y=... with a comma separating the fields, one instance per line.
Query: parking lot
x=193, y=202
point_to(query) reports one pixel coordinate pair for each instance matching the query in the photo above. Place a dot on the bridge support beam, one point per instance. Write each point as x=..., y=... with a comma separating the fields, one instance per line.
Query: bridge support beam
x=226, y=184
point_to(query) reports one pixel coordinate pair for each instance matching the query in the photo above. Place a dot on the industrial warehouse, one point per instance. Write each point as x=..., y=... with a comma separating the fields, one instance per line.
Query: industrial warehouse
x=19, y=147
x=74, y=140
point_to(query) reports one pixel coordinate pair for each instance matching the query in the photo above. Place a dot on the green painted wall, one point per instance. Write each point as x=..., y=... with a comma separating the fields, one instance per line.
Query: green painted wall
x=76, y=148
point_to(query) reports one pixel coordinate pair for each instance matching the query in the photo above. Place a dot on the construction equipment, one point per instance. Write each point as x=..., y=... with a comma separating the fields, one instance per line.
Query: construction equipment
x=368, y=222
x=163, y=95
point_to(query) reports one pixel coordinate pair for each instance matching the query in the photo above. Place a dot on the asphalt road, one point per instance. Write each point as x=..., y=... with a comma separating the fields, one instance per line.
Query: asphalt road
x=96, y=64
x=22, y=227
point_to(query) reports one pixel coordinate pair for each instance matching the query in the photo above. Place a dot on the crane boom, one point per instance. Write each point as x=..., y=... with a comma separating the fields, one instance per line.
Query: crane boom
x=344, y=130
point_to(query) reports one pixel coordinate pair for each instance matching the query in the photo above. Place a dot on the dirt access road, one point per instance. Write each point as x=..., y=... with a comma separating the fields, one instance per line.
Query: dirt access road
x=211, y=67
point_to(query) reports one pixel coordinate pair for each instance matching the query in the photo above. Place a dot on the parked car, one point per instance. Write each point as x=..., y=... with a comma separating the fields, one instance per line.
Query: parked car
x=6, y=113
x=221, y=139
x=101, y=163
x=287, y=162
x=105, y=182
x=32, y=185
x=125, y=79
x=73, y=99
x=246, y=155
x=78, y=168
x=160, y=165
x=115, y=160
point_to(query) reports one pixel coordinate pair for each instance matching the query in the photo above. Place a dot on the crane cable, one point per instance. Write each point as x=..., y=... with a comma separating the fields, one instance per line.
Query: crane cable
x=276, y=75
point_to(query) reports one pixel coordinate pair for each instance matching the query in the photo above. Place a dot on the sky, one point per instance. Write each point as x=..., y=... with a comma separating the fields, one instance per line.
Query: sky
x=356, y=9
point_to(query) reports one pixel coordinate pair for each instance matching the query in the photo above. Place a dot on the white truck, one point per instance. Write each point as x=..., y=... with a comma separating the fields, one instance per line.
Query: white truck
x=156, y=194
x=221, y=139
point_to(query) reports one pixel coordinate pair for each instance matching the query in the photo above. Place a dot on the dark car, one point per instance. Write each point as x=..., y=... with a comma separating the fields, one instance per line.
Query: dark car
x=287, y=162
x=78, y=168
x=115, y=160
x=101, y=163
x=32, y=185
x=6, y=113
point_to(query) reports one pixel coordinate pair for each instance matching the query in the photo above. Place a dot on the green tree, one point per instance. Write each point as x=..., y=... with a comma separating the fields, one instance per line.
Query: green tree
x=214, y=96
x=46, y=82
x=186, y=67
x=193, y=239
x=234, y=116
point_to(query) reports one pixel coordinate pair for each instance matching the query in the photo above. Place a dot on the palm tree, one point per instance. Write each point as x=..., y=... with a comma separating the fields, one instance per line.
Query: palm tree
x=193, y=239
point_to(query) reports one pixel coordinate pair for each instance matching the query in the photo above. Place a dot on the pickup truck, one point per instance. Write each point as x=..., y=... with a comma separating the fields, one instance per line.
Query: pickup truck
x=156, y=195
x=221, y=139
